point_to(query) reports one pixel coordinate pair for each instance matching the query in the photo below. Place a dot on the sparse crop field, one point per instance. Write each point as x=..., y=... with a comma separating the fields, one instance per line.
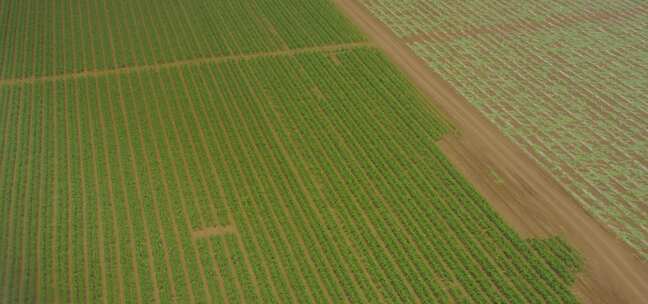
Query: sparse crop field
x=215, y=152
x=565, y=80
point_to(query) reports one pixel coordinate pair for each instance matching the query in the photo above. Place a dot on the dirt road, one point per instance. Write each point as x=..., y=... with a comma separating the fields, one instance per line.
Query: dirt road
x=522, y=193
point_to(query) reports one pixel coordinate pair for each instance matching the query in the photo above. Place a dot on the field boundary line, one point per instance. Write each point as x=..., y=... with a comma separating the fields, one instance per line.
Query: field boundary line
x=525, y=26
x=179, y=63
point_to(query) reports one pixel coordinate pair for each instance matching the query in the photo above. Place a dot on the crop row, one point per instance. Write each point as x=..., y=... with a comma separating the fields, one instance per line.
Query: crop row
x=335, y=187
x=80, y=35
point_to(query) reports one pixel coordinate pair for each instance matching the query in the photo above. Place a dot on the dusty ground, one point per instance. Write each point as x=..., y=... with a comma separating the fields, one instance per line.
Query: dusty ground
x=522, y=193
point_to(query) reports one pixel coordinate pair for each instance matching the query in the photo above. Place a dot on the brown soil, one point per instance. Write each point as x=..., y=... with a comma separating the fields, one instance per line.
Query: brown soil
x=521, y=192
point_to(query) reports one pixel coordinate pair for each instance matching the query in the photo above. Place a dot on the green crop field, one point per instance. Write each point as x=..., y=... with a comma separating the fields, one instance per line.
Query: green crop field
x=194, y=152
x=565, y=80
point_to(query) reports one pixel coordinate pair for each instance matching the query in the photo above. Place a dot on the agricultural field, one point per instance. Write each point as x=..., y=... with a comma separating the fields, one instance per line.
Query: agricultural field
x=565, y=80
x=215, y=152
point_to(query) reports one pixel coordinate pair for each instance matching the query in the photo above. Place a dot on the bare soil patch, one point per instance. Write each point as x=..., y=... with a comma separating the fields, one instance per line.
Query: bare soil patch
x=213, y=231
x=521, y=192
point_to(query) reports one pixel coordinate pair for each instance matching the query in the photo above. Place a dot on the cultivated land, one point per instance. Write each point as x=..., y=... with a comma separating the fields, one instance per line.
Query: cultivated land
x=565, y=80
x=247, y=151
x=529, y=199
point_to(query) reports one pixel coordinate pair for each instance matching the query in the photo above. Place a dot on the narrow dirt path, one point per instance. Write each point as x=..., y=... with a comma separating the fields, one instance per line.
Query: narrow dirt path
x=193, y=61
x=529, y=199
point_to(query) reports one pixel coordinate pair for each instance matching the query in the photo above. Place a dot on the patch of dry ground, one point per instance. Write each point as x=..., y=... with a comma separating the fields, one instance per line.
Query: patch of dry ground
x=521, y=192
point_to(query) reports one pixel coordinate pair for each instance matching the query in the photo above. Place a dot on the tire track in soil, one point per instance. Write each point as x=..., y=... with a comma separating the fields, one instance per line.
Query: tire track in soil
x=179, y=63
x=260, y=101
x=612, y=273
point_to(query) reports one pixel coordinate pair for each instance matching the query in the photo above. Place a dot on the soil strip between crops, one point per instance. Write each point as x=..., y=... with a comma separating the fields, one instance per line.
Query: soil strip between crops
x=179, y=63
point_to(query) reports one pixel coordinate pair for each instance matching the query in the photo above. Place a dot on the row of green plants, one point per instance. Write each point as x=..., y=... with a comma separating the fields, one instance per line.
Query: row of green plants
x=328, y=171
x=79, y=35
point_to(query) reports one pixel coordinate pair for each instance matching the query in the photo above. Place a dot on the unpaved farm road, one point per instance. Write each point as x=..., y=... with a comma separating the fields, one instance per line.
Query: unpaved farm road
x=522, y=193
